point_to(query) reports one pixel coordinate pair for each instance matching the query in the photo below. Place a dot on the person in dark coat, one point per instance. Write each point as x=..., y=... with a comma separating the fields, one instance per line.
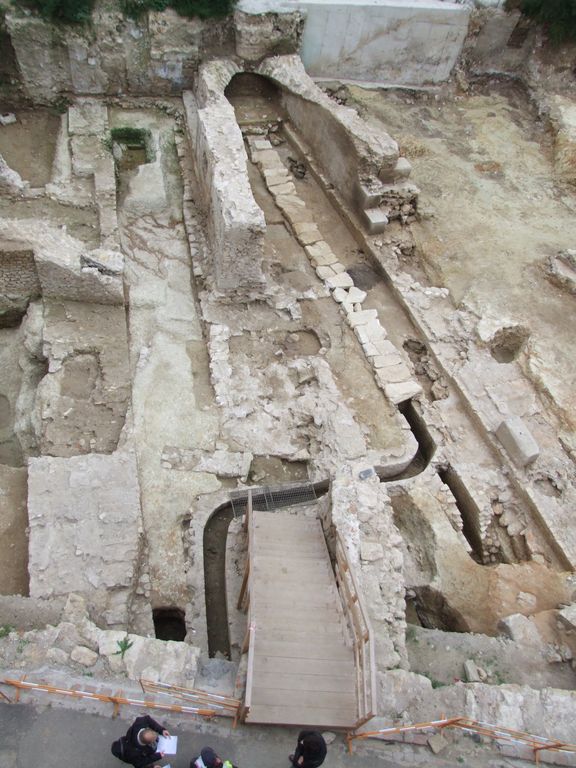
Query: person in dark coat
x=310, y=750
x=138, y=747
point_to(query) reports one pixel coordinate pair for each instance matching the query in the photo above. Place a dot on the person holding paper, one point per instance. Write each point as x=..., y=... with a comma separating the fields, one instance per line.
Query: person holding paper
x=139, y=746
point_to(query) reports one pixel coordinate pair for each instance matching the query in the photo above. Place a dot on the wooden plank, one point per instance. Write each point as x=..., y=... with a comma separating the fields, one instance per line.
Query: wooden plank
x=329, y=649
x=301, y=637
x=273, y=697
x=299, y=682
x=309, y=667
x=314, y=716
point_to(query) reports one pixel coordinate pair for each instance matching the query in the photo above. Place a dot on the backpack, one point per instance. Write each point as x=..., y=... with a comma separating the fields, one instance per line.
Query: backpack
x=118, y=748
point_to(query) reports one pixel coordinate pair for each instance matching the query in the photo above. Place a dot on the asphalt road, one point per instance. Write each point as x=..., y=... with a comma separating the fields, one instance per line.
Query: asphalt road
x=63, y=738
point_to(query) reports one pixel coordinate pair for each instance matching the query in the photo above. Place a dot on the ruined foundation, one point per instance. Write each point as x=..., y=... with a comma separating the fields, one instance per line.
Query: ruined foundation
x=218, y=276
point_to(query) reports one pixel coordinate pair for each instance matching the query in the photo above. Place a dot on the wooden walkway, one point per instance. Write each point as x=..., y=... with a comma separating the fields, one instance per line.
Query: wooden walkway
x=301, y=660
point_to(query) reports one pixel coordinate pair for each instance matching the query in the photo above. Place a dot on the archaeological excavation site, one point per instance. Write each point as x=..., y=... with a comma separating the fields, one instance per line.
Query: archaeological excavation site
x=288, y=366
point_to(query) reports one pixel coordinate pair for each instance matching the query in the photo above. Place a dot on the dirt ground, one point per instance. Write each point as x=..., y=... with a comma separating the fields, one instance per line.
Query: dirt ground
x=28, y=145
x=491, y=213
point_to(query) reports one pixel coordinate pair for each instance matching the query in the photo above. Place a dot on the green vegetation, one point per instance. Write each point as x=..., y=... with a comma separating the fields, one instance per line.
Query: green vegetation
x=80, y=11
x=5, y=630
x=204, y=9
x=68, y=11
x=558, y=16
x=123, y=646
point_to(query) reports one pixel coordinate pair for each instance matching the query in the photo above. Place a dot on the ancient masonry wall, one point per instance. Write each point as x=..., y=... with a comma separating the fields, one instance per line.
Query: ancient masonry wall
x=236, y=223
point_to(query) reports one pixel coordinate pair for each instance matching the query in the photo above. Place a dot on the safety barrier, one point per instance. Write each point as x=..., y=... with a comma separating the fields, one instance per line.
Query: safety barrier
x=117, y=700
x=223, y=706
x=362, y=634
x=511, y=742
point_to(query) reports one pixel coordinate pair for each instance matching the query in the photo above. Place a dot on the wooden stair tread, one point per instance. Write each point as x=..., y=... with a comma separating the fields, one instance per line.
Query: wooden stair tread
x=299, y=715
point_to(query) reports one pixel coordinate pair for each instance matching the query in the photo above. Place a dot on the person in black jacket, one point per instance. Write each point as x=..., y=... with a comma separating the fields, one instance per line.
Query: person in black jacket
x=310, y=750
x=138, y=747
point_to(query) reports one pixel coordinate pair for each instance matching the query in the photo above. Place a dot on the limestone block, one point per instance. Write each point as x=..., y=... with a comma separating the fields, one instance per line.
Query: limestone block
x=325, y=272
x=169, y=662
x=57, y=656
x=340, y=295
x=437, y=743
x=276, y=176
x=385, y=361
x=518, y=441
x=363, y=317
x=10, y=180
x=375, y=220
x=471, y=673
x=374, y=330
x=82, y=655
x=307, y=234
x=356, y=296
x=520, y=629
x=269, y=160
x=338, y=268
x=283, y=189
x=399, y=393
x=343, y=280
x=568, y=616
x=220, y=462
x=393, y=374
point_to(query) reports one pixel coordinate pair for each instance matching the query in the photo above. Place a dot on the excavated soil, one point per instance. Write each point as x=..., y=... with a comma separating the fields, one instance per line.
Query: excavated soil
x=28, y=145
x=491, y=213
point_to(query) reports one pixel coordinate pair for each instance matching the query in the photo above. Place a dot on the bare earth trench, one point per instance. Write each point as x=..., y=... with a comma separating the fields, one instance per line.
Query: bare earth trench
x=491, y=214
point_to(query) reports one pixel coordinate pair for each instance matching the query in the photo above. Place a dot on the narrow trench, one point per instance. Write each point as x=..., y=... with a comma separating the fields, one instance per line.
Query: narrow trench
x=216, y=528
x=264, y=97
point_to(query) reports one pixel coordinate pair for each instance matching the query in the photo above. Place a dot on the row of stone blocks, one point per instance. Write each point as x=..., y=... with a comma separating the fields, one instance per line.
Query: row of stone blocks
x=391, y=373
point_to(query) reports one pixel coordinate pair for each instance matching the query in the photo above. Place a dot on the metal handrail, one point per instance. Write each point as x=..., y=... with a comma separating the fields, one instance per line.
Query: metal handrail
x=537, y=744
x=363, y=635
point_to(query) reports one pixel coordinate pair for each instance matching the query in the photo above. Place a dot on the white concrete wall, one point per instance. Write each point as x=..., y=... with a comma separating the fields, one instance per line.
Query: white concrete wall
x=393, y=42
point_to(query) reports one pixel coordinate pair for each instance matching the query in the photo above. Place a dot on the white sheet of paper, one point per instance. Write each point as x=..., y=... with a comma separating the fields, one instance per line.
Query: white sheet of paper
x=167, y=745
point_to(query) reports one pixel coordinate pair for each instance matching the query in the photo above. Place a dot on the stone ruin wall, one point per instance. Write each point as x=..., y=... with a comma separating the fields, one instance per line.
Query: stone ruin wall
x=362, y=511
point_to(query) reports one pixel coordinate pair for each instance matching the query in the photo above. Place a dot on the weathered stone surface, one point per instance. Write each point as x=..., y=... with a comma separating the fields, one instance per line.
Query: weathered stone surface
x=520, y=629
x=568, y=616
x=10, y=181
x=399, y=393
x=518, y=441
x=342, y=280
x=237, y=224
x=82, y=655
x=220, y=462
x=58, y=261
x=564, y=117
x=85, y=530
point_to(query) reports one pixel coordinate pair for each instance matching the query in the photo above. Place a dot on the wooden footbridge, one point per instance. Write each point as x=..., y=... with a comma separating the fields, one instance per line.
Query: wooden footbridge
x=309, y=640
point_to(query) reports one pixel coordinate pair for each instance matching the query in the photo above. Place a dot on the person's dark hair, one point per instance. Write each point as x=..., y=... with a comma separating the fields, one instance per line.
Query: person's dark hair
x=209, y=757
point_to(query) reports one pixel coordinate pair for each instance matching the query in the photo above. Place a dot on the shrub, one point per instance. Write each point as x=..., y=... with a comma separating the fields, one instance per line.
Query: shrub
x=559, y=16
x=70, y=11
x=204, y=9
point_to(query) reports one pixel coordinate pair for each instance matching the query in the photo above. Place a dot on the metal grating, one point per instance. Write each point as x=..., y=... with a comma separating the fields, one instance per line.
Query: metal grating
x=268, y=498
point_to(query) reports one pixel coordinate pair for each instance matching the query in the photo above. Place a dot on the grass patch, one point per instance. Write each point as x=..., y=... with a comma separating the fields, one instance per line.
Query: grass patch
x=5, y=630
